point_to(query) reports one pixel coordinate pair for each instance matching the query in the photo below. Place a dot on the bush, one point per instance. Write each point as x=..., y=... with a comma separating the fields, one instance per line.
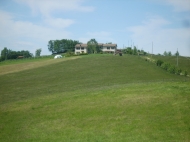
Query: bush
x=159, y=62
x=185, y=73
x=172, y=69
x=69, y=54
x=178, y=71
x=83, y=53
x=165, y=66
x=2, y=58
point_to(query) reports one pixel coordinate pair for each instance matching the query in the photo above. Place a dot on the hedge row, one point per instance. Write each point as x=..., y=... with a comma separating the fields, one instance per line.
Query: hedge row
x=170, y=68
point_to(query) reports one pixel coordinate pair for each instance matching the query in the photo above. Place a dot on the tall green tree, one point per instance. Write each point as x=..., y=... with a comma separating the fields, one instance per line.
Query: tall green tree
x=4, y=53
x=177, y=53
x=165, y=53
x=51, y=46
x=93, y=46
x=134, y=50
x=129, y=50
x=38, y=52
x=169, y=53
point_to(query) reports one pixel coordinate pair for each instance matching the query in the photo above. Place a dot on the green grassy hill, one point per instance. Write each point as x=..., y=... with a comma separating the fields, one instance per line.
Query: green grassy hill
x=94, y=98
x=80, y=74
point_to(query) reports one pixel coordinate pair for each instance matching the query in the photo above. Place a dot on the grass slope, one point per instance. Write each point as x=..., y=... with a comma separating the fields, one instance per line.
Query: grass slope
x=95, y=98
x=13, y=66
x=87, y=73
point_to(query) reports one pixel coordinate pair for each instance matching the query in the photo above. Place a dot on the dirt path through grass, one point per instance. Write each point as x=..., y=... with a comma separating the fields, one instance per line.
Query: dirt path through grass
x=30, y=65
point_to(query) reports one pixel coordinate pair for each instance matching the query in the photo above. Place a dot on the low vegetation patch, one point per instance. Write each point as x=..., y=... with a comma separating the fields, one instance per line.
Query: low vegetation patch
x=167, y=66
x=183, y=62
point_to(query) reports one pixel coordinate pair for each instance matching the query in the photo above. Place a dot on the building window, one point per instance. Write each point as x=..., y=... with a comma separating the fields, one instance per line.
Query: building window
x=112, y=47
x=82, y=48
x=77, y=48
x=108, y=48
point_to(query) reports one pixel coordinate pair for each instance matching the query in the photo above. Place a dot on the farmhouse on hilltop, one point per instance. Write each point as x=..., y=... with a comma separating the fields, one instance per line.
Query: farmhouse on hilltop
x=83, y=48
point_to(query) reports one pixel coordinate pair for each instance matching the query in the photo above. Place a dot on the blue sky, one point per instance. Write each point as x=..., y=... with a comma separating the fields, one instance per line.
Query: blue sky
x=30, y=24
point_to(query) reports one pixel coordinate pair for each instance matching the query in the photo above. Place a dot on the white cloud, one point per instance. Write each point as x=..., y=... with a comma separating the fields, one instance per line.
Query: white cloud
x=15, y=29
x=164, y=39
x=27, y=35
x=46, y=7
x=101, y=37
x=24, y=43
x=180, y=5
x=24, y=35
x=59, y=22
x=102, y=33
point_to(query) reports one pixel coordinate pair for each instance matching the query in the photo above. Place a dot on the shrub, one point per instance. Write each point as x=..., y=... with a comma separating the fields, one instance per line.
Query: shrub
x=165, y=66
x=84, y=54
x=159, y=62
x=2, y=58
x=172, y=69
x=178, y=71
x=69, y=54
x=185, y=73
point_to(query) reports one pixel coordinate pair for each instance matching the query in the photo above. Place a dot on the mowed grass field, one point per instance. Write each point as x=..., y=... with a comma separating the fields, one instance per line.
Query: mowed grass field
x=94, y=98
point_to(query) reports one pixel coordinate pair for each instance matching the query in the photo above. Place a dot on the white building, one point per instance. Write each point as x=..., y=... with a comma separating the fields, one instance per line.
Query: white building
x=110, y=48
x=83, y=48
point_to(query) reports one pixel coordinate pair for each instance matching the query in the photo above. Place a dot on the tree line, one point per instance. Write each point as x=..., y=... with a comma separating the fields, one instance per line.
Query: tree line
x=7, y=54
x=61, y=46
x=171, y=68
x=10, y=54
x=133, y=51
x=169, y=53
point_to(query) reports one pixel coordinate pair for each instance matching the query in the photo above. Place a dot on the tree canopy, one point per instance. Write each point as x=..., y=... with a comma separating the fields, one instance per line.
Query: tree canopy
x=61, y=46
x=169, y=53
x=93, y=46
x=133, y=51
x=38, y=52
x=177, y=53
x=9, y=54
